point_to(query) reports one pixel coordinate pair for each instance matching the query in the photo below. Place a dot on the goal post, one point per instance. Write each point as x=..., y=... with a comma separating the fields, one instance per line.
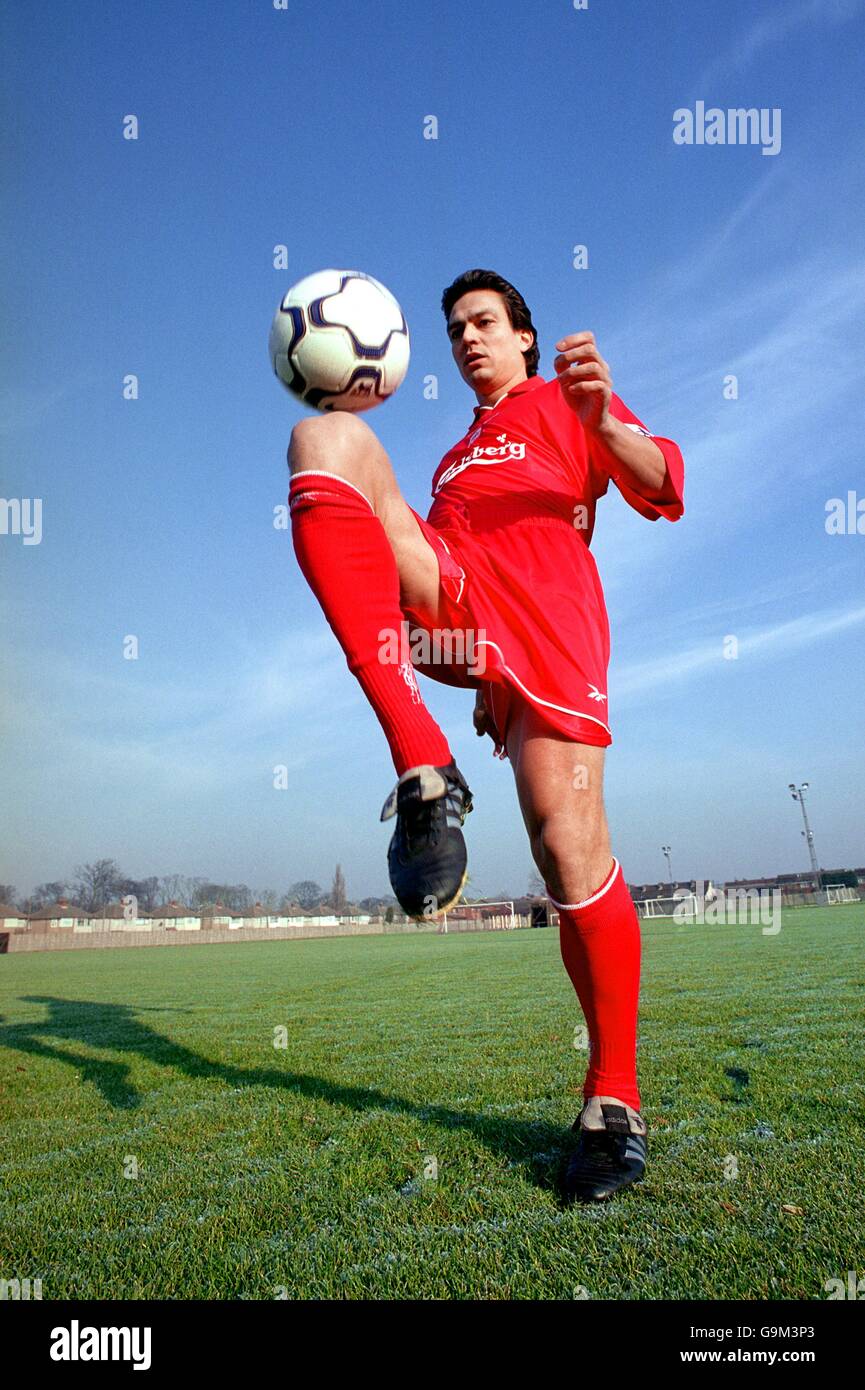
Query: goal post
x=683, y=908
x=837, y=893
x=505, y=920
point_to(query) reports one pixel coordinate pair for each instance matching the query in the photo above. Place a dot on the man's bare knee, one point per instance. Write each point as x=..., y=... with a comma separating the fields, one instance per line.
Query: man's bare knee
x=337, y=443
x=340, y=443
x=562, y=840
x=572, y=854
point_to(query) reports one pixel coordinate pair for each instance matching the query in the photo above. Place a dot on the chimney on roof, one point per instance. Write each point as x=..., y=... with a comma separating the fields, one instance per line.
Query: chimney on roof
x=62, y=902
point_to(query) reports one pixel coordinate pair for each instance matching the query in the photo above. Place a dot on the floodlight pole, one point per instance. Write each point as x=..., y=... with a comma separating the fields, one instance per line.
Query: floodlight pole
x=667, y=850
x=798, y=794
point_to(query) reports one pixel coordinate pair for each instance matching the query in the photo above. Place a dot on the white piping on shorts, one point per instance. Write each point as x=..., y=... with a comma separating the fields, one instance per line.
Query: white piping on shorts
x=587, y=902
x=324, y=473
x=459, y=566
x=578, y=714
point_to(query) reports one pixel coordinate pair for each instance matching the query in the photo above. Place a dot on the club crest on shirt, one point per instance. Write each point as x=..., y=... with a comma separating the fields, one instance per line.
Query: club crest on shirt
x=503, y=449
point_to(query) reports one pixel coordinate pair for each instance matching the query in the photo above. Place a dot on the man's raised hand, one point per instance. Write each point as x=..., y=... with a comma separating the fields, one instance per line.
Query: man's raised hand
x=585, y=379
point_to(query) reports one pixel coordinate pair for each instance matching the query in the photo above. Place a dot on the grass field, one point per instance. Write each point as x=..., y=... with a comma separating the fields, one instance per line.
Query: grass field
x=300, y=1169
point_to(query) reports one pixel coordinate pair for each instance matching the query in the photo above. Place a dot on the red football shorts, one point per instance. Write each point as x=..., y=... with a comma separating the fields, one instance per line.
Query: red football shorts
x=468, y=605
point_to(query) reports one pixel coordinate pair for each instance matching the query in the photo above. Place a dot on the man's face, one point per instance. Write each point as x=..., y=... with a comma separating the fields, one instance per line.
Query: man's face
x=490, y=353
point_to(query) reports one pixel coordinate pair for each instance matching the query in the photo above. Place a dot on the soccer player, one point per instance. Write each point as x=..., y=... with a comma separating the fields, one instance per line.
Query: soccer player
x=502, y=558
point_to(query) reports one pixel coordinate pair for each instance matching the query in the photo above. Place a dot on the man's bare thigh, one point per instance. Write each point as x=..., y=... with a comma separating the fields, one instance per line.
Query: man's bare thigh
x=554, y=776
x=341, y=443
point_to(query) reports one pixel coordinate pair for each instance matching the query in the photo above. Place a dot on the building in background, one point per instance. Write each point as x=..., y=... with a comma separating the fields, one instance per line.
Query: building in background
x=62, y=916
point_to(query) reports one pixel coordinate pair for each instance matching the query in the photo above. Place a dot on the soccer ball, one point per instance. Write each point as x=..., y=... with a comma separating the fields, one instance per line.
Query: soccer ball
x=339, y=341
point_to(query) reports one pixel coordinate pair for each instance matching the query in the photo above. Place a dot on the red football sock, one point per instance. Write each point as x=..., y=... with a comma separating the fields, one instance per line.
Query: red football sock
x=343, y=551
x=600, y=941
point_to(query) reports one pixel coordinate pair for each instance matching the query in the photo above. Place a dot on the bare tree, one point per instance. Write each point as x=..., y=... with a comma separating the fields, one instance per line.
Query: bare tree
x=8, y=893
x=143, y=890
x=235, y=896
x=97, y=884
x=306, y=893
x=376, y=905
x=179, y=888
x=337, y=892
x=45, y=893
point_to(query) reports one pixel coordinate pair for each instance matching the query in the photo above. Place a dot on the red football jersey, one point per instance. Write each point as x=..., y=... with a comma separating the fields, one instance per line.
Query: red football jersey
x=511, y=523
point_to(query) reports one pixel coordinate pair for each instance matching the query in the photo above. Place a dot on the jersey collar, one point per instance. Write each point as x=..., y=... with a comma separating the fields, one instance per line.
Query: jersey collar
x=531, y=383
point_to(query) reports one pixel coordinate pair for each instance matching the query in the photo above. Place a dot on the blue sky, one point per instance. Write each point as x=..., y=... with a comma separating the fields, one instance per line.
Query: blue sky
x=305, y=127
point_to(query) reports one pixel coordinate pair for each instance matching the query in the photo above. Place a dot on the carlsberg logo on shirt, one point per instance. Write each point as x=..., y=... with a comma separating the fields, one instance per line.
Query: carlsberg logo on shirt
x=76, y=1343
x=484, y=453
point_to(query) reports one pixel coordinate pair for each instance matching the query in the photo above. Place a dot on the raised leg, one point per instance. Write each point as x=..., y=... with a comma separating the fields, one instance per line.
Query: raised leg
x=364, y=556
x=344, y=445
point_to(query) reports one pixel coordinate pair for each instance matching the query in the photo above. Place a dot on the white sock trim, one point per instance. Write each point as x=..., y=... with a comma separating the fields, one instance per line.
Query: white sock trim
x=571, y=907
x=324, y=473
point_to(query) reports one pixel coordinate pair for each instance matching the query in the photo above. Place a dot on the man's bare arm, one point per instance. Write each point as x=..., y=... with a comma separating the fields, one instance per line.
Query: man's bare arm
x=634, y=458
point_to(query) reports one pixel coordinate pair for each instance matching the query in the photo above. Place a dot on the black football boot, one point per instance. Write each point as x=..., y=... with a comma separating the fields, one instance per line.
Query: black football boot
x=427, y=859
x=605, y=1160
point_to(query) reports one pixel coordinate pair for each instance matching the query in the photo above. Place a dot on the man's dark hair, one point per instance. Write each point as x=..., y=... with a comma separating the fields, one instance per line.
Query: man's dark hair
x=518, y=310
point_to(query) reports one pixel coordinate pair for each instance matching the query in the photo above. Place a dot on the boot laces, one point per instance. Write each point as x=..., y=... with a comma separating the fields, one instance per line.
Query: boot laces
x=424, y=822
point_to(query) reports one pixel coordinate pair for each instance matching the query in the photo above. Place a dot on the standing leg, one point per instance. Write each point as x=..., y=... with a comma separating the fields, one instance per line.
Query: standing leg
x=560, y=789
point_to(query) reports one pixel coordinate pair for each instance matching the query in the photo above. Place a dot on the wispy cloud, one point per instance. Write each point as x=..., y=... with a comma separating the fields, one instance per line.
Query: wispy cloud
x=761, y=326
x=747, y=460
x=772, y=29
x=202, y=730
x=768, y=329
x=22, y=408
x=787, y=590
x=768, y=643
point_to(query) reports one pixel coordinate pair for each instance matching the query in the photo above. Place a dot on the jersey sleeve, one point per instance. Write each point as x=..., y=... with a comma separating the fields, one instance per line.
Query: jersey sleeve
x=666, y=501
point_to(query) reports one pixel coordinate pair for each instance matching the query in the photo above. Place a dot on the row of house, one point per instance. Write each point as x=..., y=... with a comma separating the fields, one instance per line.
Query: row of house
x=66, y=916
x=800, y=885
x=173, y=916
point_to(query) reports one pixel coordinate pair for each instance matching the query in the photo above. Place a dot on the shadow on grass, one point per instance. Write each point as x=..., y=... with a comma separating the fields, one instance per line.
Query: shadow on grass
x=539, y=1148
x=741, y=1080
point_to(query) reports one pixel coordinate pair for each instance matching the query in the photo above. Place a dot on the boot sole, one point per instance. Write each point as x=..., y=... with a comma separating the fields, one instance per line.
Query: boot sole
x=426, y=917
x=587, y=1199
